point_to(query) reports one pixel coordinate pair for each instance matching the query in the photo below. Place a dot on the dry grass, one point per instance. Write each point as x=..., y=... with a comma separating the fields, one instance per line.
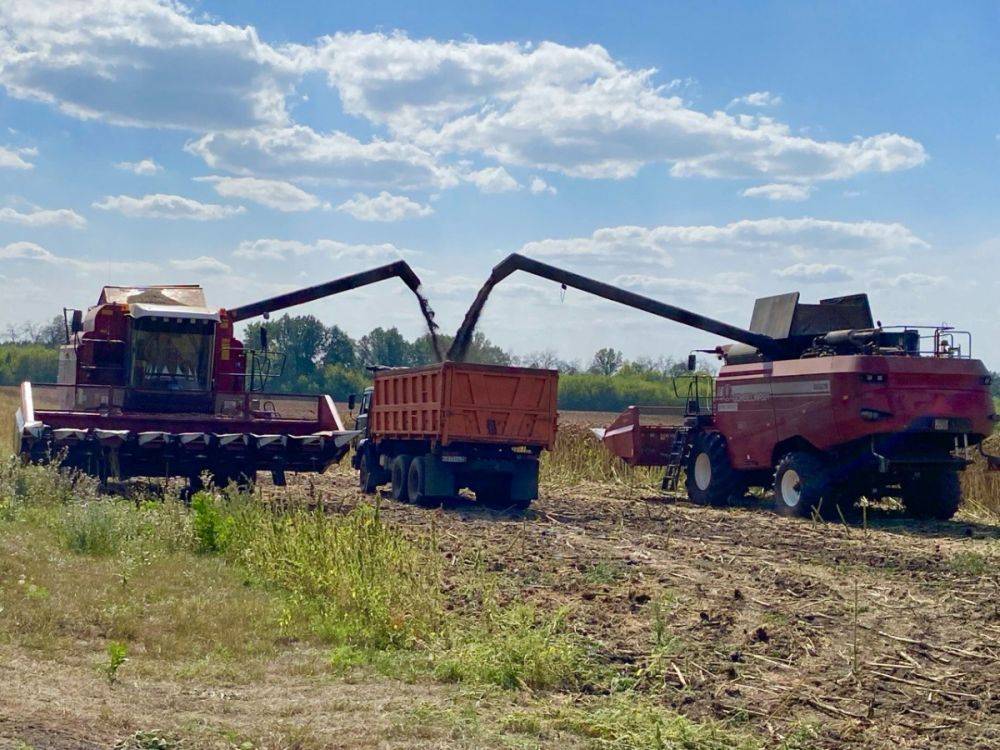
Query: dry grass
x=980, y=487
x=579, y=457
x=9, y=403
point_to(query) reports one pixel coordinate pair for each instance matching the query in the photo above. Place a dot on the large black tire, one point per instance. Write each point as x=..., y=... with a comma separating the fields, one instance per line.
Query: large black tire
x=711, y=478
x=494, y=493
x=935, y=493
x=804, y=486
x=416, y=483
x=400, y=474
x=367, y=475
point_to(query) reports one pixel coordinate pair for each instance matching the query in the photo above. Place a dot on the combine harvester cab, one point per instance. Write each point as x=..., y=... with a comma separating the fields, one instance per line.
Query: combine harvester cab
x=817, y=401
x=153, y=383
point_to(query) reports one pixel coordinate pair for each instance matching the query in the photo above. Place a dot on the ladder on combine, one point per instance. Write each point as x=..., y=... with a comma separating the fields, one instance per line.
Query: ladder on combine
x=680, y=449
x=697, y=410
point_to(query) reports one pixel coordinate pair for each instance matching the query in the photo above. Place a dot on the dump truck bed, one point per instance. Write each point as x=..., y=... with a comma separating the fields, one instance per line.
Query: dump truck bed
x=458, y=402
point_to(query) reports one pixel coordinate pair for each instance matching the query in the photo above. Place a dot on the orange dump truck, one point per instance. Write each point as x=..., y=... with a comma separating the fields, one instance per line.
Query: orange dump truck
x=432, y=431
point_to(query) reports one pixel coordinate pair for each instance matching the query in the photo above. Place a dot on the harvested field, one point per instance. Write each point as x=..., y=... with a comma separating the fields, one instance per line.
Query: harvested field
x=586, y=418
x=662, y=622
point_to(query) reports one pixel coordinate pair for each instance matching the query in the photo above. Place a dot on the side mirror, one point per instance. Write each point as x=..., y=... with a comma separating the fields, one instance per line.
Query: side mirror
x=263, y=338
x=692, y=362
x=77, y=323
x=351, y=401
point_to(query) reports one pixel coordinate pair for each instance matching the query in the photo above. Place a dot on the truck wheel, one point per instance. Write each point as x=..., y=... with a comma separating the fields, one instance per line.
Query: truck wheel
x=494, y=493
x=367, y=478
x=400, y=474
x=416, y=483
x=802, y=485
x=711, y=478
x=932, y=494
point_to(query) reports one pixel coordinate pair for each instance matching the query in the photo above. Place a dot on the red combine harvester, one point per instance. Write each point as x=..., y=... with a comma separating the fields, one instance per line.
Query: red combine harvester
x=434, y=430
x=153, y=383
x=815, y=400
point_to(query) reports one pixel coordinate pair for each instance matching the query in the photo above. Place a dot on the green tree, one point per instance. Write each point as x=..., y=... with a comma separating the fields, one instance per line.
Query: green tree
x=340, y=349
x=481, y=350
x=302, y=339
x=422, y=349
x=385, y=347
x=33, y=362
x=607, y=361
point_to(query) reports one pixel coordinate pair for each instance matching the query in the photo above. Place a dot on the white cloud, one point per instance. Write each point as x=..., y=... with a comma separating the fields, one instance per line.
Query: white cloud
x=814, y=273
x=778, y=191
x=907, y=281
x=300, y=152
x=142, y=62
x=670, y=286
x=32, y=252
x=159, y=206
x=201, y=264
x=145, y=167
x=658, y=245
x=384, y=207
x=11, y=158
x=538, y=185
x=493, y=180
x=574, y=110
x=26, y=251
x=43, y=218
x=276, y=194
x=275, y=249
x=756, y=99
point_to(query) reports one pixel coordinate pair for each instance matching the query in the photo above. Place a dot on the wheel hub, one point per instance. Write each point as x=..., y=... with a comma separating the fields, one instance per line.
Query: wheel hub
x=703, y=471
x=791, y=488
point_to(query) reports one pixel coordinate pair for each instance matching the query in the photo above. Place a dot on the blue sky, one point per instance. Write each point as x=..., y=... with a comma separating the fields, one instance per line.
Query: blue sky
x=703, y=154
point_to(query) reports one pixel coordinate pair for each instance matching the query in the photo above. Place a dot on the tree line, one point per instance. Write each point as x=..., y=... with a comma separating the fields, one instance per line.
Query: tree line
x=325, y=359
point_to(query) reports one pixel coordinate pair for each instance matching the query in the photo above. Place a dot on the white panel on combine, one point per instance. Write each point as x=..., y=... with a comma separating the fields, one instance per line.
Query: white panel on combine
x=68, y=436
x=264, y=441
x=111, y=438
x=153, y=439
x=231, y=439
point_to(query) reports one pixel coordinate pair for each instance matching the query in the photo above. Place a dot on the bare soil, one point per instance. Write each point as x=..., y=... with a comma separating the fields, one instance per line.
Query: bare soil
x=879, y=637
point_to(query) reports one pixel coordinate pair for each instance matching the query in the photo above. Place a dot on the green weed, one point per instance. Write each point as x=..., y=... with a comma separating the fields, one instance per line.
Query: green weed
x=604, y=572
x=631, y=722
x=516, y=648
x=356, y=580
x=969, y=563
x=117, y=655
x=109, y=526
x=208, y=523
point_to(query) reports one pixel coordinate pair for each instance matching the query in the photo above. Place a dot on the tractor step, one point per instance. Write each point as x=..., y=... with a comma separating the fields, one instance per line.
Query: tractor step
x=680, y=447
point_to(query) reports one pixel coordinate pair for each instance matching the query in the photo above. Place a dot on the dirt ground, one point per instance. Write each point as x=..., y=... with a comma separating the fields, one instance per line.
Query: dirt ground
x=885, y=635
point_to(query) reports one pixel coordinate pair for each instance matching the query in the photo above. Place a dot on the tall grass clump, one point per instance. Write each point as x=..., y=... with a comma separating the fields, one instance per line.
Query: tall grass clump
x=515, y=647
x=10, y=401
x=981, y=488
x=631, y=721
x=111, y=526
x=25, y=488
x=356, y=580
x=578, y=456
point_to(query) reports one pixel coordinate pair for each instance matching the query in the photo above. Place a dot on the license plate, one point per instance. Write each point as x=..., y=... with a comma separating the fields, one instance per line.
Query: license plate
x=940, y=424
